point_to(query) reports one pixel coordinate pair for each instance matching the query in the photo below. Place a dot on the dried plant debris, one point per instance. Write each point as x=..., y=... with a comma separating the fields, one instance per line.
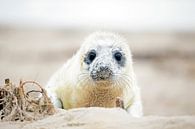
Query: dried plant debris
x=28, y=101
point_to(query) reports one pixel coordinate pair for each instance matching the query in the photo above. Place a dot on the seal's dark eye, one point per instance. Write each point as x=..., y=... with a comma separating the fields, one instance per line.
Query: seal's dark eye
x=92, y=55
x=118, y=56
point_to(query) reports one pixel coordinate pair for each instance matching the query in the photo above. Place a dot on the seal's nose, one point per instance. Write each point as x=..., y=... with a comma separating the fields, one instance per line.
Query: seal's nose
x=102, y=73
x=104, y=68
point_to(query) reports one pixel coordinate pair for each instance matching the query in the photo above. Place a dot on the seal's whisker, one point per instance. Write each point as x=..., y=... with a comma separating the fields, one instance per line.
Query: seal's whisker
x=115, y=83
x=127, y=77
x=117, y=79
x=127, y=81
x=123, y=81
x=118, y=82
x=81, y=74
x=82, y=77
x=82, y=81
x=121, y=76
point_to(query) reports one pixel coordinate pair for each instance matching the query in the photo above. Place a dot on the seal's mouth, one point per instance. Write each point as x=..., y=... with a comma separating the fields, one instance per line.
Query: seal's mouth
x=103, y=73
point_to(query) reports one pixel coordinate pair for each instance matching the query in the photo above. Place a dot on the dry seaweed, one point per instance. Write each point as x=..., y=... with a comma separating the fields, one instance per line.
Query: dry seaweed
x=17, y=103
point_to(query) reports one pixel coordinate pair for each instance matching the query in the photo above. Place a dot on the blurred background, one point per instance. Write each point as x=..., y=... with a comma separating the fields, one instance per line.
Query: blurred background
x=38, y=36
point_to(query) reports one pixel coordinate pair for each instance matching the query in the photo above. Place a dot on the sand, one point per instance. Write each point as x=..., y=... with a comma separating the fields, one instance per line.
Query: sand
x=102, y=118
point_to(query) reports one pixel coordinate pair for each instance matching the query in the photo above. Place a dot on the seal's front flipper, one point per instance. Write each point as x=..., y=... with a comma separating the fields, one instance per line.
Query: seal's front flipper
x=120, y=103
x=54, y=99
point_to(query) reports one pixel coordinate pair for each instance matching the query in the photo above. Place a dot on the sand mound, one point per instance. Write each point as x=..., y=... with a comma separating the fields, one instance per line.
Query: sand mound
x=102, y=118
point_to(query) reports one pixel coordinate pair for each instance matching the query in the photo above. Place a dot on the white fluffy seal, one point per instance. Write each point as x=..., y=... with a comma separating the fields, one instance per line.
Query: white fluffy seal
x=99, y=73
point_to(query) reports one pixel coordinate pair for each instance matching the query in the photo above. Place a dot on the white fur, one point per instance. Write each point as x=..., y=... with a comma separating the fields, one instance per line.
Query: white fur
x=64, y=85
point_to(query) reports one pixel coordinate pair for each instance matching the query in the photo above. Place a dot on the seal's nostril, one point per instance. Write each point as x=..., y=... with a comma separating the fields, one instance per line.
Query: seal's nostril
x=104, y=68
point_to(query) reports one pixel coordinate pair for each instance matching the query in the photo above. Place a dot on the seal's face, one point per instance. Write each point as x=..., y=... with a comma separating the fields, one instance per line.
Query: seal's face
x=104, y=62
x=105, y=58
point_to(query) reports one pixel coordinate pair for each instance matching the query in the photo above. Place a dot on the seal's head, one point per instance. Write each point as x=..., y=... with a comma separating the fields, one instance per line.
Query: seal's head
x=106, y=58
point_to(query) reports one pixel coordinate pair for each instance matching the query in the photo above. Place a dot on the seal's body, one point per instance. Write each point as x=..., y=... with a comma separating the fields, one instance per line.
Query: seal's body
x=100, y=72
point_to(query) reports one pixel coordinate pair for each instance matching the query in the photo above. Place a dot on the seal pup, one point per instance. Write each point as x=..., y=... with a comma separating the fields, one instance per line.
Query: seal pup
x=97, y=75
